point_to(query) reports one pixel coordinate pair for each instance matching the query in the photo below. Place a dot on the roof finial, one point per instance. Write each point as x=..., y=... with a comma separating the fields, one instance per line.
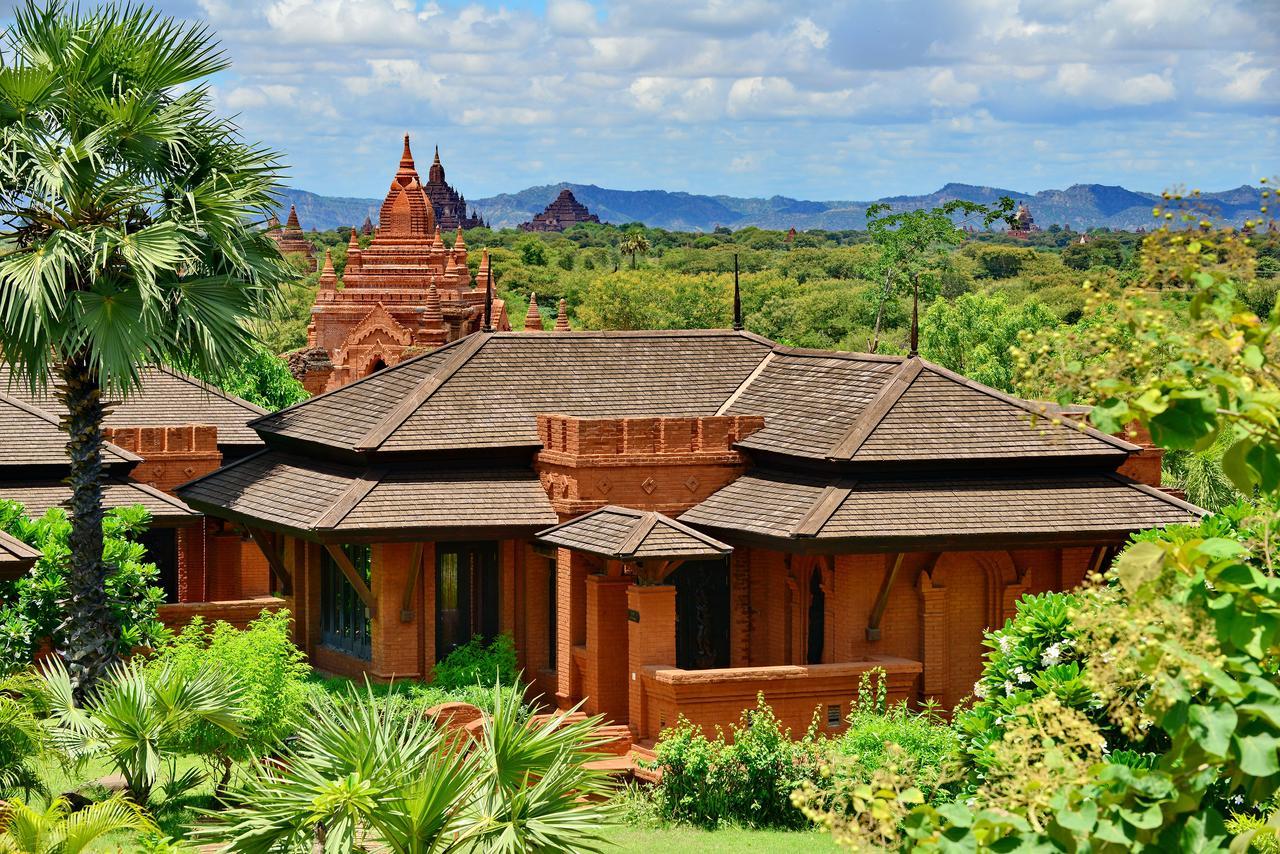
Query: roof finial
x=562, y=316
x=737, y=297
x=406, y=158
x=488, y=303
x=915, y=320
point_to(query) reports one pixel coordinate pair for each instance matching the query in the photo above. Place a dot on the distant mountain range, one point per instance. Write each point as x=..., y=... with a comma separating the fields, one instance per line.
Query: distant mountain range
x=1082, y=206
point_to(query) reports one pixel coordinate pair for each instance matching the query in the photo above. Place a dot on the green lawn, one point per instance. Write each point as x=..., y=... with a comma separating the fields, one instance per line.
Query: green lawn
x=689, y=840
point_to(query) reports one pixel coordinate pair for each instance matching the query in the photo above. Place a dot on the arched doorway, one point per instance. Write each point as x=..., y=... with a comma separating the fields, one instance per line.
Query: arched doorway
x=376, y=365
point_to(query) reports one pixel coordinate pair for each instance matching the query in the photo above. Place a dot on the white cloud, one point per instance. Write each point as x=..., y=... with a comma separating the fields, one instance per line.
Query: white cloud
x=947, y=91
x=1082, y=82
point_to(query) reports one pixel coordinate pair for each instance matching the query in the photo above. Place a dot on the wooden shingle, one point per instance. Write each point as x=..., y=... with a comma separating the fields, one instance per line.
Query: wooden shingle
x=38, y=496
x=32, y=437
x=16, y=557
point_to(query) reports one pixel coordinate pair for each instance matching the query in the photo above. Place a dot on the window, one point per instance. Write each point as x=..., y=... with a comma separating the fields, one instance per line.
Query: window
x=344, y=619
x=162, y=550
x=817, y=617
x=466, y=594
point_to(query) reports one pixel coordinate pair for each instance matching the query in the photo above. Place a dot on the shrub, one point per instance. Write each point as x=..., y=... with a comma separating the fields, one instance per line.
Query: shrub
x=930, y=745
x=476, y=663
x=33, y=603
x=745, y=780
x=263, y=660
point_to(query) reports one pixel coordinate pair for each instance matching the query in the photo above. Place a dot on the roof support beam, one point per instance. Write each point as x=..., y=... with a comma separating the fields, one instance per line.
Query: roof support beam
x=349, y=570
x=269, y=546
x=882, y=599
x=415, y=569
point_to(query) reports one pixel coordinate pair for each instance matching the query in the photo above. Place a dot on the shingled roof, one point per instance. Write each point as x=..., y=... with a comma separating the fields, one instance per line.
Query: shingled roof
x=38, y=496
x=628, y=534
x=33, y=437
x=165, y=397
x=939, y=513
x=16, y=557
x=485, y=391
x=317, y=498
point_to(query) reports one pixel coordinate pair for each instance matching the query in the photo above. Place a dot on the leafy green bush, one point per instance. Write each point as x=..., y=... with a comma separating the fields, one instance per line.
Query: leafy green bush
x=477, y=663
x=746, y=779
x=33, y=608
x=930, y=743
x=263, y=661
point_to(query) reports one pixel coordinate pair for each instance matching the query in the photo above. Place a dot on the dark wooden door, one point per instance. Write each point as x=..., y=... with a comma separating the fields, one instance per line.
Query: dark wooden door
x=466, y=594
x=702, y=614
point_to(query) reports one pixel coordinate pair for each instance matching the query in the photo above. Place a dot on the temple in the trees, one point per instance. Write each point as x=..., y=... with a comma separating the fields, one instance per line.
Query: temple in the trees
x=405, y=293
x=560, y=214
x=449, y=205
x=1024, y=224
x=290, y=239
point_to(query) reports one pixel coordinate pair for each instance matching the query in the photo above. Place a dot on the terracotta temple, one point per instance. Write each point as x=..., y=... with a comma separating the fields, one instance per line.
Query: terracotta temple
x=290, y=239
x=404, y=293
x=449, y=205
x=670, y=522
x=560, y=214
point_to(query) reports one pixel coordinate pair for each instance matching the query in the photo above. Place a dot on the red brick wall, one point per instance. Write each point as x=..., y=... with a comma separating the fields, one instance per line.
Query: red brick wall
x=604, y=680
x=170, y=455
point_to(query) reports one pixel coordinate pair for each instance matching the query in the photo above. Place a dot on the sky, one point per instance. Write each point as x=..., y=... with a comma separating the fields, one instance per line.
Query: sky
x=815, y=99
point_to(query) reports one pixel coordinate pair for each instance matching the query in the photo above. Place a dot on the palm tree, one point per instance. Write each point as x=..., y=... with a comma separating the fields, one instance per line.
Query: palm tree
x=127, y=238
x=635, y=243
x=359, y=777
x=59, y=830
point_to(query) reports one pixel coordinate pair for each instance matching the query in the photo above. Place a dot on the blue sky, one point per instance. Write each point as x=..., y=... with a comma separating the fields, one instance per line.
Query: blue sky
x=830, y=99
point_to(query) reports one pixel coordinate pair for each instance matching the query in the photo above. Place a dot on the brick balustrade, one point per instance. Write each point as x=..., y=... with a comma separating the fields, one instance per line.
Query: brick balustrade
x=795, y=692
x=239, y=612
x=171, y=455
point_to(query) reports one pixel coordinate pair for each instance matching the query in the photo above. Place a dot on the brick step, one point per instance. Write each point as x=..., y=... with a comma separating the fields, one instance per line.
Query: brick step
x=616, y=738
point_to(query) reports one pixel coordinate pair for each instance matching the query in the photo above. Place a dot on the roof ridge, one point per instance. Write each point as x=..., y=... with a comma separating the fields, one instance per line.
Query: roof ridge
x=390, y=368
x=824, y=506
x=211, y=388
x=220, y=469
x=356, y=492
x=1027, y=406
x=1154, y=492
x=686, y=529
x=847, y=355
x=875, y=411
x=421, y=393
x=156, y=493
x=646, y=523
x=126, y=456
x=746, y=383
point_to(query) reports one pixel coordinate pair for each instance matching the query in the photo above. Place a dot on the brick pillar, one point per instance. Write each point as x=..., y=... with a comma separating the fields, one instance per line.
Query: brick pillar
x=651, y=639
x=933, y=645
x=395, y=643
x=604, y=679
x=740, y=608
x=571, y=619
x=193, y=561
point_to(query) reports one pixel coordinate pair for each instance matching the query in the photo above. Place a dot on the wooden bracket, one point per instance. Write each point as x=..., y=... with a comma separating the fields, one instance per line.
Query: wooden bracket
x=267, y=544
x=415, y=569
x=349, y=570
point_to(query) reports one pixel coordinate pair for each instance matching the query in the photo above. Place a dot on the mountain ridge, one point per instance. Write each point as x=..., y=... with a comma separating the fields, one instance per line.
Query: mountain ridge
x=1081, y=206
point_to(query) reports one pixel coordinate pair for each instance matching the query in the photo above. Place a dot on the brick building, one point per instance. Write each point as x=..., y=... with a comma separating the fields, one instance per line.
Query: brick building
x=172, y=429
x=449, y=206
x=669, y=522
x=564, y=211
x=404, y=294
x=290, y=239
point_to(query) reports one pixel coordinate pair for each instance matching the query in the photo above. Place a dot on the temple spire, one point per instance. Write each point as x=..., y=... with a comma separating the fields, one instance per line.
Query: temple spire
x=433, y=315
x=328, y=278
x=737, y=297
x=293, y=219
x=459, y=242
x=562, y=316
x=533, y=317
x=406, y=159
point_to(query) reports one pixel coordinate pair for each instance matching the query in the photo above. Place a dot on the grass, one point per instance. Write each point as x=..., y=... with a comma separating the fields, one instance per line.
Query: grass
x=691, y=840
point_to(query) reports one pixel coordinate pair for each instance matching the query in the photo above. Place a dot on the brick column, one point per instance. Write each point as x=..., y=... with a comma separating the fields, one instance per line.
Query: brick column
x=933, y=644
x=395, y=643
x=571, y=621
x=651, y=639
x=604, y=679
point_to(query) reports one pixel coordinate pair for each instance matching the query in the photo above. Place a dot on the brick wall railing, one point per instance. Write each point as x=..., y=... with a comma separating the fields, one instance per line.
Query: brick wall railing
x=709, y=698
x=628, y=438
x=170, y=455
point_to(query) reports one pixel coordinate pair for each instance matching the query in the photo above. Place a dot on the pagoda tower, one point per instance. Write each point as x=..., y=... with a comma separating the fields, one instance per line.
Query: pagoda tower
x=450, y=206
x=290, y=240
x=563, y=212
x=405, y=293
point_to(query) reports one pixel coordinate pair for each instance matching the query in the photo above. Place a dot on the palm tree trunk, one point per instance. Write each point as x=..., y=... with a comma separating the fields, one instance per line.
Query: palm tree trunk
x=89, y=632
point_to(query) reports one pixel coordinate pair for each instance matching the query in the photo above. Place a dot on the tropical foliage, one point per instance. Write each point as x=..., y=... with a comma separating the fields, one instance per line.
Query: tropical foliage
x=60, y=829
x=126, y=226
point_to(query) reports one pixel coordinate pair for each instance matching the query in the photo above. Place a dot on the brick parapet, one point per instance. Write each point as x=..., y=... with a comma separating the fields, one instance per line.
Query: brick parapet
x=170, y=455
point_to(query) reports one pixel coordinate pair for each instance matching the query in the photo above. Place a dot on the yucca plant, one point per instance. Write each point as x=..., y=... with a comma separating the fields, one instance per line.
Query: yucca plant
x=129, y=236
x=360, y=779
x=59, y=830
x=136, y=719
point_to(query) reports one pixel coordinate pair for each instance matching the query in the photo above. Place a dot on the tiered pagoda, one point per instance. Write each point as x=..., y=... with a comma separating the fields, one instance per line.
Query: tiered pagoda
x=560, y=214
x=449, y=205
x=407, y=292
x=1024, y=224
x=290, y=239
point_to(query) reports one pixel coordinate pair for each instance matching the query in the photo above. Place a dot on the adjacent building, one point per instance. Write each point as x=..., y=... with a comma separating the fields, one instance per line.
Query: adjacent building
x=668, y=523
x=173, y=428
x=563, y=212
x=405, y=293
x=290, y=239
x=449, y=205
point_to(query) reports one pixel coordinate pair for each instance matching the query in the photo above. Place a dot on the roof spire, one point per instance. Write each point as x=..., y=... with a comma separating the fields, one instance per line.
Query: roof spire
x=406, y=158
x=915, y=320
x=737, y=297
x=562, y=316
x=488, y=302
x=459, y=242
x=432, y=315
x=293, y=219
x=328, y=278
x=533, y=317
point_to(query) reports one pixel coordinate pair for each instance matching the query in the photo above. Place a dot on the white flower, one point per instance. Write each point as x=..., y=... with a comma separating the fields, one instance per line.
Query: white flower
x=1052, y=655
x=1008, y=688
x=979, y=690
x=1238, y=800
x=1006, y=644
